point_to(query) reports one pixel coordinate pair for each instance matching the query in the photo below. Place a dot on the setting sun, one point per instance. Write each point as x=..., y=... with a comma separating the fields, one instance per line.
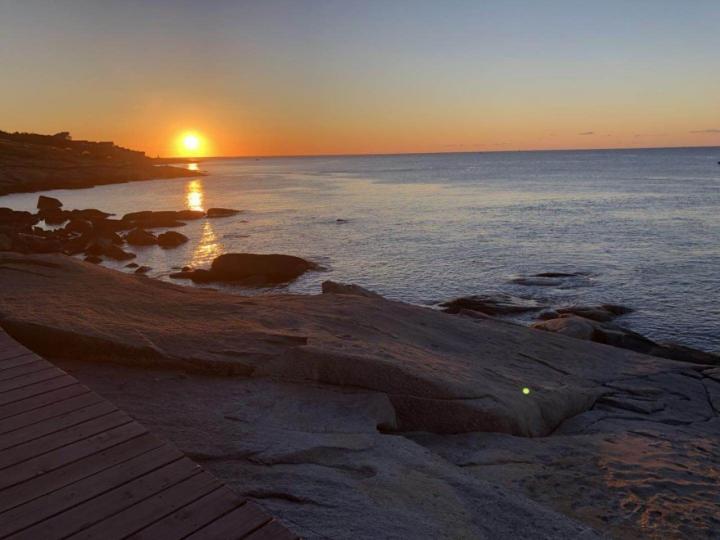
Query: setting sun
x=191, y=144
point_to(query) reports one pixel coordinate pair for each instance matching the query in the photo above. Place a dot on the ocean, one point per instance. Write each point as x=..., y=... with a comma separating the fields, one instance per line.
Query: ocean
x=643, y=226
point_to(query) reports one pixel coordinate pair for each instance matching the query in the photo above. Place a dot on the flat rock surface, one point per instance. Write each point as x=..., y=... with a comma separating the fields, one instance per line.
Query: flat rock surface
x=313, y=456
x=442, y=373
x=357, y=417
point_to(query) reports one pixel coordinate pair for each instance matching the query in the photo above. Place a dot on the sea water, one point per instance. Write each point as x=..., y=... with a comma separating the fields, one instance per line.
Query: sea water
x=642, y=225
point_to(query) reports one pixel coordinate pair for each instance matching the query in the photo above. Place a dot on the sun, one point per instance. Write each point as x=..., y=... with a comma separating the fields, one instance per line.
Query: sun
x=190, y=144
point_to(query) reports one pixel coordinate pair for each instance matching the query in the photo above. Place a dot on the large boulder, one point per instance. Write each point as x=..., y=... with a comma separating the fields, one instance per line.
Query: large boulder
x=171, y=239
x=601, y=313
x=251, y=269
x=221, y=212
x=48, y=203
x=141, y=237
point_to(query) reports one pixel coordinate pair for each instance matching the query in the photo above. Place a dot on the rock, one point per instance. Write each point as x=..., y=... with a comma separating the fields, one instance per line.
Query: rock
x=675, y=351
x=53, y=216
x=611, y=334
x=314, y=456
x=140, y=237
x=93, y=259
x=143, y=270
x=186, y=269
x=108, y=249
x=89, y=214
x=131, y=265
x=250, y=269
x=48, y=203
x=151, y=219
x=548, y=314
x=340, y=220
x=267, y=269
x=197, y=276
x=171, y=239
x=575, y=327
x=6, y=242
x=332, y=287
x=190, y=214
x=221, y=212
x=35, y=243
x=492, y=304
x=602, y=313
x=442, y=374
x=80, y=226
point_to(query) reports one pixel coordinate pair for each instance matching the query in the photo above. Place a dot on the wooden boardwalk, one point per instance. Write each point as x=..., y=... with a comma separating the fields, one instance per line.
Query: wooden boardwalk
x=74, y=466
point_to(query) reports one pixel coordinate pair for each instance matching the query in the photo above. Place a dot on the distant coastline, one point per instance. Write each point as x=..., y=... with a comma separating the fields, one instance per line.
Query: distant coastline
x=32, y=162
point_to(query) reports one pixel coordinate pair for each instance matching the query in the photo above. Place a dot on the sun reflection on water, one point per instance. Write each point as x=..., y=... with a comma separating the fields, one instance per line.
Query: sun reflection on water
x=207, y=248
x=194, y=195
x=193, y=167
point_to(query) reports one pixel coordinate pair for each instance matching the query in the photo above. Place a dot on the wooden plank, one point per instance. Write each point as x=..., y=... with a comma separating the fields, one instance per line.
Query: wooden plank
x=67, y=474
x=152, y=509
x=23, y=369
x=18, y=360
x=41, y=400
x=52, y=410
x=56, y=424
x=192, y=517
x=234, y=525
x=54, y=503
x=271, y=531
x=29, y=379
x=36, y=389
x=9, y=348
x=43, y=445
x=68, y=454
x=111, y=503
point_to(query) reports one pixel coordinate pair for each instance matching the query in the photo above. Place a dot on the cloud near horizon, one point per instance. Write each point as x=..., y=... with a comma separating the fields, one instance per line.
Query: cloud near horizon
x=711, y=130
x=587, y=133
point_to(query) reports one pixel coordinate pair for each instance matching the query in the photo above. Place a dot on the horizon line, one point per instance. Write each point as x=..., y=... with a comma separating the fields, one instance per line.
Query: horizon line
x=388, y=154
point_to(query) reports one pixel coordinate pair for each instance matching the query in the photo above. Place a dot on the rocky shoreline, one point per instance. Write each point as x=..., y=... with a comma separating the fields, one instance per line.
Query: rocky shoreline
x=352, y=416
x=32, y=162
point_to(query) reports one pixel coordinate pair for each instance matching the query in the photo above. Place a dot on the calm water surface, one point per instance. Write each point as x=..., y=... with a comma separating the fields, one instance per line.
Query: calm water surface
x=644, y=224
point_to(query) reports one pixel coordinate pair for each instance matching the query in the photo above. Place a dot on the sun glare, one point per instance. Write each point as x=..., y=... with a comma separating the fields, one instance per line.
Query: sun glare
x=190, y=144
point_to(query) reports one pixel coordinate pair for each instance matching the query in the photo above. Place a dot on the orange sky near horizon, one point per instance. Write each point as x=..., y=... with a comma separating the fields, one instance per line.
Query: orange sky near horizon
x=279, y=78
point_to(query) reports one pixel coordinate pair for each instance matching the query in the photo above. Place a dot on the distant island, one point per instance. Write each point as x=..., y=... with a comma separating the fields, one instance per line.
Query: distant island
x=34, y=162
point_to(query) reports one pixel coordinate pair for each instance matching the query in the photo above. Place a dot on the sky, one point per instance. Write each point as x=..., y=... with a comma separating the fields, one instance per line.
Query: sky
x=297, y=77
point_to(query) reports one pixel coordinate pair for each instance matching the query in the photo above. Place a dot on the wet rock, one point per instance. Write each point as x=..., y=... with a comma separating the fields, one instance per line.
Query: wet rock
x=143, y=270
x=575, y=327
x=221, y=212
x=612, y=334
x=171, y=239
x=17, y=219
x=562, y=280
x=80, y=226
x=547, y=314
x=492, y=304
x=332, y=287
x=93, y=259
x=53, y=216
x=251, y=269
x=90, y=214
x=602, y=313
x=131, y=265
x=341, y=220
x=186, y=269
x=109, y=249
x=35, y=243
x=558, y=274
x=141, y=237
x=48, y=203
x=190, y=214
x=149, y=219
